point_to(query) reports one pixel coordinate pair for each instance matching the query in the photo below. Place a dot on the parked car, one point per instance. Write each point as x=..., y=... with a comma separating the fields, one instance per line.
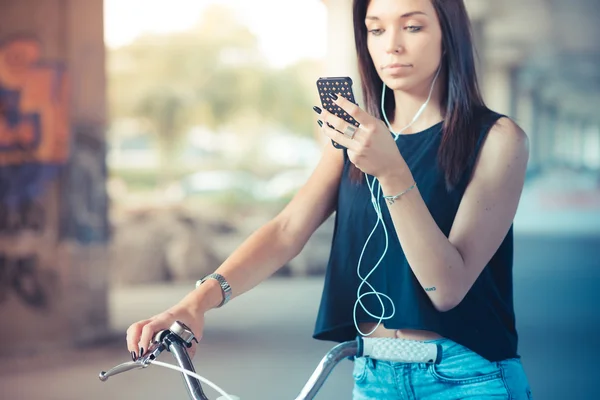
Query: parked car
x=207, y=183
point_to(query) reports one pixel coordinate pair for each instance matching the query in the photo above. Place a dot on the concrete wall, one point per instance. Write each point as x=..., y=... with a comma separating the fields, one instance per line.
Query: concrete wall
x=53, y=203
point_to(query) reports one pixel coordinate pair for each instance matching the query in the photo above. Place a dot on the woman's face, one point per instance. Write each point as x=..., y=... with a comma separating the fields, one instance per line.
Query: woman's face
x=404, y=39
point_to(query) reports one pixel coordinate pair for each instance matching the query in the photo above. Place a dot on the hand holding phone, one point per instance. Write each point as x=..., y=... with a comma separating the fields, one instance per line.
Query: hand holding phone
x=343, y=86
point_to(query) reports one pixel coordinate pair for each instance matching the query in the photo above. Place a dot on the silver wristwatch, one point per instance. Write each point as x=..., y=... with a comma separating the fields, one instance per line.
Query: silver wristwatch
x=225, y=288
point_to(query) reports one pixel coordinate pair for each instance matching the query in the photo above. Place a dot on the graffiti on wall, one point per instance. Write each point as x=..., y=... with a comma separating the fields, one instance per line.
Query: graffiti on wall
x=34, y=147
x=85, y=198
x=34, y=119
x=23, y=278
x=34, y=101
x=29, y=215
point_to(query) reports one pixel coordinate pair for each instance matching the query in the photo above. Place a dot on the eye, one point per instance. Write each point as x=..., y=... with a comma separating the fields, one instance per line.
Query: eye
x=376, y=32
x=413, y=28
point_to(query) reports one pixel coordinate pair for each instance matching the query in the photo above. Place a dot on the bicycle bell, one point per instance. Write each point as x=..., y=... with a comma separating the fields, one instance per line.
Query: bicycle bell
x=183, y=331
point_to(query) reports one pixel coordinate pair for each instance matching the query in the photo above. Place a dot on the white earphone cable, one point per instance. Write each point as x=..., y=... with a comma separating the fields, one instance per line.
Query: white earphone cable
x=375, y=201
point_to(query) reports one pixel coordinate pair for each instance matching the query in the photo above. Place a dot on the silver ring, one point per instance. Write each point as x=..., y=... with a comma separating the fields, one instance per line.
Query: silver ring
x=350, y=131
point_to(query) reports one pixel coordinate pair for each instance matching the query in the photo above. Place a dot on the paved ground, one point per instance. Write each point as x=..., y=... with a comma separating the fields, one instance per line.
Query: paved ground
x=555, y=284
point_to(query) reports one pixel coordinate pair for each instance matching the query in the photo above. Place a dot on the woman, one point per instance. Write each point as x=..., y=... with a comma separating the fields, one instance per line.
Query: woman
x=451, y=171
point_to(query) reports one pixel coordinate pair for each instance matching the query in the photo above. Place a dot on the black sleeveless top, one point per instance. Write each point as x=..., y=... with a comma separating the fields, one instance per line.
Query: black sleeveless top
x=483, y=322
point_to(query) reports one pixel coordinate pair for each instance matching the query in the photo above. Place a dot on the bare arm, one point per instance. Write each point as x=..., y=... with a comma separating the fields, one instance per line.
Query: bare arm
x=265, y=251
x=282, y=238
x=447, y=267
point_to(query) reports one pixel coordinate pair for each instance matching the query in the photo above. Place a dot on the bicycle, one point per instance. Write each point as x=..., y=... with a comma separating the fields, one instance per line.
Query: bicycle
x=179, y=337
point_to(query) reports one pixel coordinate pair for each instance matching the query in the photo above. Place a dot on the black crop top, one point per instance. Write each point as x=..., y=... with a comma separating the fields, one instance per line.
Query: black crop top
x=484, y=321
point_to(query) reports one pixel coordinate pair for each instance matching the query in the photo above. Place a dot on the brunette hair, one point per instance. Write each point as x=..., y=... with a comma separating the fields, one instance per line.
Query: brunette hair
x=461, y=96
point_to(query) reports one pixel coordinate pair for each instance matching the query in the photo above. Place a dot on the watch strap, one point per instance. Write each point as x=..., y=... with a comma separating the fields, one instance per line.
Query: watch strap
x=225, y=287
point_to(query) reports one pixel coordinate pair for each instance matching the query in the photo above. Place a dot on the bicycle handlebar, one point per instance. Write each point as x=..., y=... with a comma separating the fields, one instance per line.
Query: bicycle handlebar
x=174, y=340
x=179, y=337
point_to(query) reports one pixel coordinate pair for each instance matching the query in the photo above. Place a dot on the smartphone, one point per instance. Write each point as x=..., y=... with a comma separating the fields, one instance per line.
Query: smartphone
x=338, y=85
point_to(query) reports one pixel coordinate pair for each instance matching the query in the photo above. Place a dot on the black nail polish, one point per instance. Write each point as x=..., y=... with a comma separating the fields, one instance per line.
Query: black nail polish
x=333, y=95
x=329, y=125
x=337, y=146
x=320, y=123
x=141, y=351
x=317, y=109
x=133, y=356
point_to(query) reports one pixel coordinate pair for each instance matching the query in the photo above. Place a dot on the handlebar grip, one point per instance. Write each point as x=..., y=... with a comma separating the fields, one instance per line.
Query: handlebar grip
x=399, y=350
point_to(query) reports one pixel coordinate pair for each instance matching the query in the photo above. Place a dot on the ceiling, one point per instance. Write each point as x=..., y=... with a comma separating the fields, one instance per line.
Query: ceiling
x=554, y=46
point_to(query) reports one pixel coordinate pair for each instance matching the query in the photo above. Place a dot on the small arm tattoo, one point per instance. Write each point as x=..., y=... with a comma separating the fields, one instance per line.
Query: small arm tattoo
x=430, y=289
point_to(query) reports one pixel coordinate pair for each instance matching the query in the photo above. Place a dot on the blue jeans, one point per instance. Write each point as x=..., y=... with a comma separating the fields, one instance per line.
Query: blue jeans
x=462, y=374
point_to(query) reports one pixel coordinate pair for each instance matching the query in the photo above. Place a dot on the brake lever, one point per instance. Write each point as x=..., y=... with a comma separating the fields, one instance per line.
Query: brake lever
x=142, y=362
x=175, y=340
x=128, y=366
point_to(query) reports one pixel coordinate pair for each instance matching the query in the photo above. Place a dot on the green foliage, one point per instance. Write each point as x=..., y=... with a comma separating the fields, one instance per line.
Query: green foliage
x=211, y=75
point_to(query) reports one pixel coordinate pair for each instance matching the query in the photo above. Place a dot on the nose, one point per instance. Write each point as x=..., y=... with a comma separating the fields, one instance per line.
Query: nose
x=395, y=44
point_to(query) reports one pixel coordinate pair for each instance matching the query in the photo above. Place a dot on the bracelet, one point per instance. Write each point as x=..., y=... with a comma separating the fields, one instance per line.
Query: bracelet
x=391, y=199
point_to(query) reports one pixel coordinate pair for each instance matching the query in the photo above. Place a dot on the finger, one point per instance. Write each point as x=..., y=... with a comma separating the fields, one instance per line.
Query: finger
x=337, y=122
x=361, y=116
x=133, y=335
x=339, y=138
x=148, y=332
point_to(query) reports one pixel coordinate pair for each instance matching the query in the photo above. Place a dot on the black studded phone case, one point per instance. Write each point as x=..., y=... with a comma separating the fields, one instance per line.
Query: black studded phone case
x=341, y=85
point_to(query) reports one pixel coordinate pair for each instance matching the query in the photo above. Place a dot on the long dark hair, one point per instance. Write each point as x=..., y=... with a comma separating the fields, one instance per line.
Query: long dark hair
x=462, y=95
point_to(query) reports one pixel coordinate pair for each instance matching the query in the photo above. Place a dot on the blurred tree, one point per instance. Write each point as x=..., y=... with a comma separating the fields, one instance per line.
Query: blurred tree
x=164, y=109
x=211, y=75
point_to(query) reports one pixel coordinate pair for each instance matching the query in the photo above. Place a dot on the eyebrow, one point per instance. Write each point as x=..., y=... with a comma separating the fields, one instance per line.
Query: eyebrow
x=408, y=14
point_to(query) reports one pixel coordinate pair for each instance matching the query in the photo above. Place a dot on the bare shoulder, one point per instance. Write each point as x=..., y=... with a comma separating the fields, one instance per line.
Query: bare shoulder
x=506, y=135
x=506, y=145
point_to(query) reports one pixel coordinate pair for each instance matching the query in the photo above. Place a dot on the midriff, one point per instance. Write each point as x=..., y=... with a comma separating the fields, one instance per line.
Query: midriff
x=411, y=334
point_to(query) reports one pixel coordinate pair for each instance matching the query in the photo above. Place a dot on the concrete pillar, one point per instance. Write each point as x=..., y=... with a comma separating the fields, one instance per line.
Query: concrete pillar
x=571, y=138
x=540, y=147
x=562, y=140
x=546, y=145
x=497, y=87
x=478, y=33
x=558, y=141
x=565, y=139
x=591, y=147
x=479, y=12
x=341, y=52
x=537, y=134
x=341, y=57
x=53, y=203
x=594, y=149
x=526, y=116
x=578, y=132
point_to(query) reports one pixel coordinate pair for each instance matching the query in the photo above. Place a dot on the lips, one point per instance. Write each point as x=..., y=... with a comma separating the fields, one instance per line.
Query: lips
x=396, y=66
x=396, y=69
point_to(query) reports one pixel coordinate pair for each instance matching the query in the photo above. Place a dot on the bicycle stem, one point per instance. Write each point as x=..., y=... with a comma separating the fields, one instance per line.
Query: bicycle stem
x=192, y=384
